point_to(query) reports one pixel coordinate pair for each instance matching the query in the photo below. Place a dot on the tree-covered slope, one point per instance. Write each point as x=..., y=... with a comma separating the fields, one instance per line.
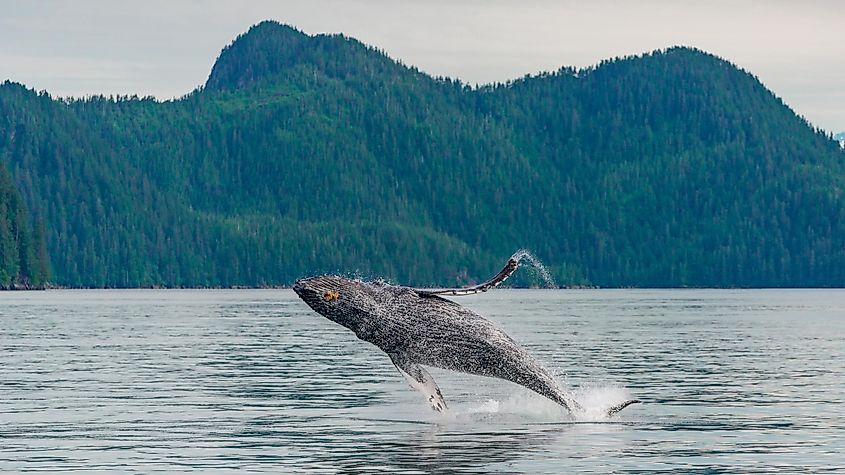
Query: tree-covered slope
x=693, y=166
x=23, y=251
x=306, y=154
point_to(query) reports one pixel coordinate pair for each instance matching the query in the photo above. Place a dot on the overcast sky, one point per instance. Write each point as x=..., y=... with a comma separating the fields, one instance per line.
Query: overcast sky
x=166, y=48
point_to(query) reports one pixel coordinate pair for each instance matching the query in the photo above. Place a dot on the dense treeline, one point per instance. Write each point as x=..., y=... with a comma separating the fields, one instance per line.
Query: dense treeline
x=318, y=154
x=23, y=250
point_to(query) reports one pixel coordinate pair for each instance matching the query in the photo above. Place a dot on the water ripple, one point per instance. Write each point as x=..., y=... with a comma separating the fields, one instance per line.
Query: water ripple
x=733, y=381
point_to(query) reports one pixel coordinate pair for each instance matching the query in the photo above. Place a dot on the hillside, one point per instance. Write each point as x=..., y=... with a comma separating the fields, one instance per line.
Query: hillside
x=306, y=154
x=23, y=250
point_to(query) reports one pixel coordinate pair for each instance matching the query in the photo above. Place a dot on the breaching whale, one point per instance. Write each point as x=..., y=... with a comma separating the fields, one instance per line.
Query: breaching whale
x=418, y=327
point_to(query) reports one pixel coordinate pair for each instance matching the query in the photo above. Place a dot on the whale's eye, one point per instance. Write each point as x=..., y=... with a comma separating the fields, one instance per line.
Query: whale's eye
x=331, y=295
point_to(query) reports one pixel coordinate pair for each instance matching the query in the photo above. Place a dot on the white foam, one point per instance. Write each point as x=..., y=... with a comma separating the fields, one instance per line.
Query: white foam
x=597, y=398
x=490, y=406
x=522, y=405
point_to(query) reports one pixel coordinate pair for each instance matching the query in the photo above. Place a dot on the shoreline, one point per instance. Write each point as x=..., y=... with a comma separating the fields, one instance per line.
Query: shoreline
x=288, y=287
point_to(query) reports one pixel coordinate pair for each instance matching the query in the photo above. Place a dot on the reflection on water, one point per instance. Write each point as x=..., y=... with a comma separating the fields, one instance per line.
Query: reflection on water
x=735, y=381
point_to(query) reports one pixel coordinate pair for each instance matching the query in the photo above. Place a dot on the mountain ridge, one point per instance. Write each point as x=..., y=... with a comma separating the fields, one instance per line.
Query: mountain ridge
x=307, y=154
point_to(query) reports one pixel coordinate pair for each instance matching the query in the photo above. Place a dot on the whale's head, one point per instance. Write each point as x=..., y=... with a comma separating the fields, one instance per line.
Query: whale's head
x=345, y=301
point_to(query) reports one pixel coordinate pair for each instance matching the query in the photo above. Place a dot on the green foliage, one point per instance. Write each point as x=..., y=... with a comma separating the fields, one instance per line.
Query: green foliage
x=317, y=154
x=21, y=263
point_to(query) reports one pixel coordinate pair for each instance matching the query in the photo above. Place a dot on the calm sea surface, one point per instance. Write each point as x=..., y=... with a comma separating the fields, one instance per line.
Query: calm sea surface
x=148, y=380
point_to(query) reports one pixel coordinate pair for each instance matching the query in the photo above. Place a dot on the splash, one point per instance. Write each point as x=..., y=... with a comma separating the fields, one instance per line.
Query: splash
x=522, y=404
x=518, y=407
x=594, y=398
x=597, y=398
x=536, y=267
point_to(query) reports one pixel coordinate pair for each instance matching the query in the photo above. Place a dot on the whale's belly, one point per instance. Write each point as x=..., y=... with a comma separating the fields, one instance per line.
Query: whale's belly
x=440, y=334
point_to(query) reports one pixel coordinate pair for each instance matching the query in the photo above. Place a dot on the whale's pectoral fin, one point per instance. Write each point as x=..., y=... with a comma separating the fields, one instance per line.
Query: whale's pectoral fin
x=613, y=410
x=507, y=271
x=420, y=380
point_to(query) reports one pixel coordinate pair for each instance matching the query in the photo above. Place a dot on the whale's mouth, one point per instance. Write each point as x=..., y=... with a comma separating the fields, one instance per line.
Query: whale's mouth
x=320, y=284
x=306, y=291
x=300, y=287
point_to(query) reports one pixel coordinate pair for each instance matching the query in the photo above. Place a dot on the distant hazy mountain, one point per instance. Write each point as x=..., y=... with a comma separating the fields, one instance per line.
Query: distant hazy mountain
x=306, y=154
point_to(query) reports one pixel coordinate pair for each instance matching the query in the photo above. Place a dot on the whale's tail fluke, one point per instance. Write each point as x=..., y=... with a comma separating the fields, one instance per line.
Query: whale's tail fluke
x=614, y=409
x=569, y=402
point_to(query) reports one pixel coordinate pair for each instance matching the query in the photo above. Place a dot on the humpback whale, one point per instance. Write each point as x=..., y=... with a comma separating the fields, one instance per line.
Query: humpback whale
x=419, y=327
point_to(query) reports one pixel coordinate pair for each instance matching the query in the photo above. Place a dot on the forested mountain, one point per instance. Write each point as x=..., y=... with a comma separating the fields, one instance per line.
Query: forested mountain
x=307, y=154
x=23, y=250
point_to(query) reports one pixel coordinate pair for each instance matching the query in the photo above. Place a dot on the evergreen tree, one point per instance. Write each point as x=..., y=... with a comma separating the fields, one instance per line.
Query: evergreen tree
x=310, y=154
x=19, y=260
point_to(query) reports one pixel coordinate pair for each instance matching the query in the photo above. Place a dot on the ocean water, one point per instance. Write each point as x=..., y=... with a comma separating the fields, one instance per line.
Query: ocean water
x=734, y=381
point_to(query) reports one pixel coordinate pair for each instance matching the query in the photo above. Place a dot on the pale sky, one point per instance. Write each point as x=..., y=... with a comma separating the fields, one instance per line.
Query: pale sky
x=166, y=48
